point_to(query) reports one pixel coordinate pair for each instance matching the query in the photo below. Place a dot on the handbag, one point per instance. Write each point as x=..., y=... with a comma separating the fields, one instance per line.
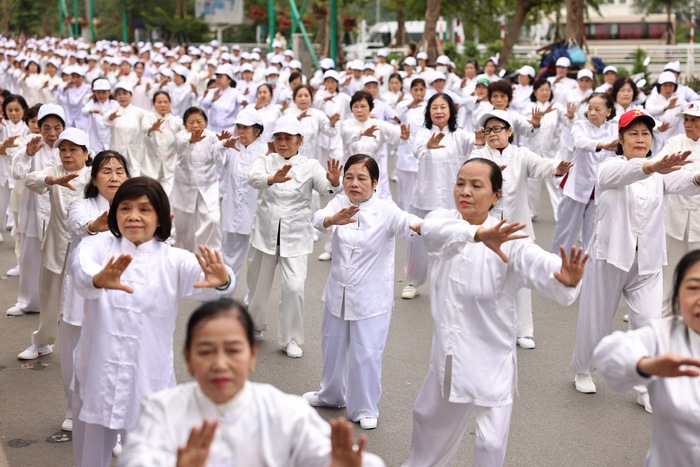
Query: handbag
x=576, y=53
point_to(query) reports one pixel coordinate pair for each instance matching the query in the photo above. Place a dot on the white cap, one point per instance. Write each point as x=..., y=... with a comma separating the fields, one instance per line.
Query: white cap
x=76, y=70
x=610, y=68
x=499, y=114
x=563, y=61
x=101, y=85
x=51, y=109
x=296, y=64
x=667, y=77
x=357, y=65
x=246, y=67
x=331, y=74
x=256, y=50
x=271, y=70
x=584, y=73
x=255, y=56
x=182, y=71
x=422, y=56
x=208, y=50
x=276, y=45
x=73, y=135
x=277, y=59
x=673, y=66
x=245, y=56
x=125, y=85
x=527, y=70
x=494, y=60
x=289, y=53
x=383, y=53
x=436, y=76
x=409, y=61
x=692, y=109
x=235, y=47
x=443, y=60
x=185, y=59
x=368, y=66
x=167, y=72
x=288, y=124
x=214, y=43
x=225, y=70
x=327, y=64
x=248, y=117
x=369, y=79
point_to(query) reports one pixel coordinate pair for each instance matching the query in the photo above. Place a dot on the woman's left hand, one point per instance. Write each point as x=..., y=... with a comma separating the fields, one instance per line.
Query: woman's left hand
x=334, y=118
x=63, y=180
x=224, y=135
x=405, y=131
x=570, y=110
x=667, y=164
x=562, y=168
x=212, y=264
x=197, y=136
x=415, y=228
x=195, y=453
x=669, y=365
x=572, y=267
x=333, y=174
x=343, y=450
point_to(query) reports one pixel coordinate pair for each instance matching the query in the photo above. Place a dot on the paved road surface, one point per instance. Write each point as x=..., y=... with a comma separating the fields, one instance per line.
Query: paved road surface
x=552, y=424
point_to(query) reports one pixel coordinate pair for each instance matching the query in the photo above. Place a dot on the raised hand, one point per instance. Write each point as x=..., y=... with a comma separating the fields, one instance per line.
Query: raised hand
x=197, y=136
x=148, y=87
x=195, y=453
x=369, y=131
x=434, y=141
x=405, y=131
x=343, y=450
x=8, y=143
x=114, y=115
x=669, y=365
x=668, y=164
x=224, y=135
x=415, y=228
x=572, y=267
x=156, y=126
x=672, y=103
x=479, y=137
x=334, y=118
x=609, y=146
x=231, y=144
x=63, y=180
x=303, y=115
x=664, y=126
x=334, y=170
x=99, y=224
x=329, y=98
x=284, y=106
x=342, y=217
x=34, y=145
x=212, y=264
x=562, y=168
x=536, y=117
x=570, y=110
x=217, y=94
x=281, y=175
x=194, y=88
x=495, y=236
x=111, y=274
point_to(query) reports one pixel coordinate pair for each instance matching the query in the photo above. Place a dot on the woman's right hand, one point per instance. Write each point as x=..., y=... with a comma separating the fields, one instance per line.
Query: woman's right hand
x=281, y=175
x=197, y=136
x=99, y=224
x=195, y=453
x=342, y=217
x=495, y=236
x=669, y=365
x=344, y=453
x=156, y=126
x=609, y=146
x=34, y=145
x=667, y=164
x=434, y=141
x=110, y=276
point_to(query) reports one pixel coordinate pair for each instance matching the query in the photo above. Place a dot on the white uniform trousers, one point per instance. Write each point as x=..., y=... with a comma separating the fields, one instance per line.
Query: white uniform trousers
x=406, y=180
x=260, y=275
x=201, y=227
x=675, y=250
x=603, y=285
x=416, y=270
x=523, y=308
x=571, y=218
x=68, y=336
x=161, y=170
x=383, y=177
x=5, y=194
x=352, y=363
x=92, y=444
x=15, y=200
x=439, y=426
x=534, y=193
x=30, y=268
x=50, y=289
x=234, y=248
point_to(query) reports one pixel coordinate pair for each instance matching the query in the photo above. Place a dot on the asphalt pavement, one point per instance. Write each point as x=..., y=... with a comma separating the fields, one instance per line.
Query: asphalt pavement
x=552, y=424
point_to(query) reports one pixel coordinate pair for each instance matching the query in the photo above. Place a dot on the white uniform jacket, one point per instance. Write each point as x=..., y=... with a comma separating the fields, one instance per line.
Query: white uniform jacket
x=521, y=164
x=362, y=268
x=675, y=439
x=197, y=171
x=472, y=301
x=54, y=247
x=682, y=211
x=239, y=198
x=127, y=137
x=546, y=140
x=414, y=117
x=283, y=213
x=222, y=112
x=583, y=175
x=630, y=213
x=73, y=100
x=8, y=129
x=314, y=126
x=160, y=145
x=438, y=168
x=355, y=143
x=182, y=98
x=99, y=134
x=125, y=350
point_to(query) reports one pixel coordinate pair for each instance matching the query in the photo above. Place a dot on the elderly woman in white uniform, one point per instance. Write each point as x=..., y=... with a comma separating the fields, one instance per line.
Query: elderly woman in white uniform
x=125, y=126
x=160, y=128
x=665, y=357
x=331, y=102
x=629, y=244
x=282, y=230
x=223, y=102
x=359, y=293
x=100, y=104
x=473, y=282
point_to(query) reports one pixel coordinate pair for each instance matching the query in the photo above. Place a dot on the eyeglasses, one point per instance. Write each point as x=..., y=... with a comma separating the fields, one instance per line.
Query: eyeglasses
x=495, y=129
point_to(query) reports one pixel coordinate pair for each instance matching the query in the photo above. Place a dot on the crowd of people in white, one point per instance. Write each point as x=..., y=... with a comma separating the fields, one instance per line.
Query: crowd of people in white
x=136, y=175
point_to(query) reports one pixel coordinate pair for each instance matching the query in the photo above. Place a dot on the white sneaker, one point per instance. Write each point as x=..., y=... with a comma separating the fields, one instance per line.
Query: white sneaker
x=626, y=318
x=35, y=351
x=314, y=401
x=325, y=256
x=584, y=383
x=117, y=449
x=644, y=401
x=67, y=424
x=410, y=292
x=14, y=272
x=368, y=423
x=526, y=342
x=293, y=350
x=14, y=311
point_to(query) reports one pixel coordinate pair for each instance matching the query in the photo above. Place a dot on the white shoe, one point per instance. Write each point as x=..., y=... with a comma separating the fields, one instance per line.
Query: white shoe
x=584, y=383
x=368, y=423
x=14, y=272
x=314, y=401
x=35, y=351
x=626, y=318
x=644, y=401
x=14, y=311
x=325, y=256
x=410, y=292
x=526, y=342
x=293, y=350
x=117, y=449
x=67, y=424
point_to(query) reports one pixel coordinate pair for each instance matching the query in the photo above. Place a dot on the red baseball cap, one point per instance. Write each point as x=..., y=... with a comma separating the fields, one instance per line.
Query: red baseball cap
x=630, y=116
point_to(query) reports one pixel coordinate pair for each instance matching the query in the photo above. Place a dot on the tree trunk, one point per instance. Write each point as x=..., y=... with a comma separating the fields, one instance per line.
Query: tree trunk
x=670, y=34
x=429, y=42
x=323, y=35
x=524, y=6
x=400, y=24
x=574, y=20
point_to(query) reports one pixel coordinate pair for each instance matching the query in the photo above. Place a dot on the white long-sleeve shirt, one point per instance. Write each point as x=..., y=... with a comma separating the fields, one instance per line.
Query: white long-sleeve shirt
x=182, y=98
x=99, y=134
x=415, y=117
x=239, y=198
x=126, y=135
x=675, y=439
x=8, y=129
x=472, y=301
x=362, y=268
x=314, y=126
x=355, y=143
x=222, y=112
x=160, y=145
